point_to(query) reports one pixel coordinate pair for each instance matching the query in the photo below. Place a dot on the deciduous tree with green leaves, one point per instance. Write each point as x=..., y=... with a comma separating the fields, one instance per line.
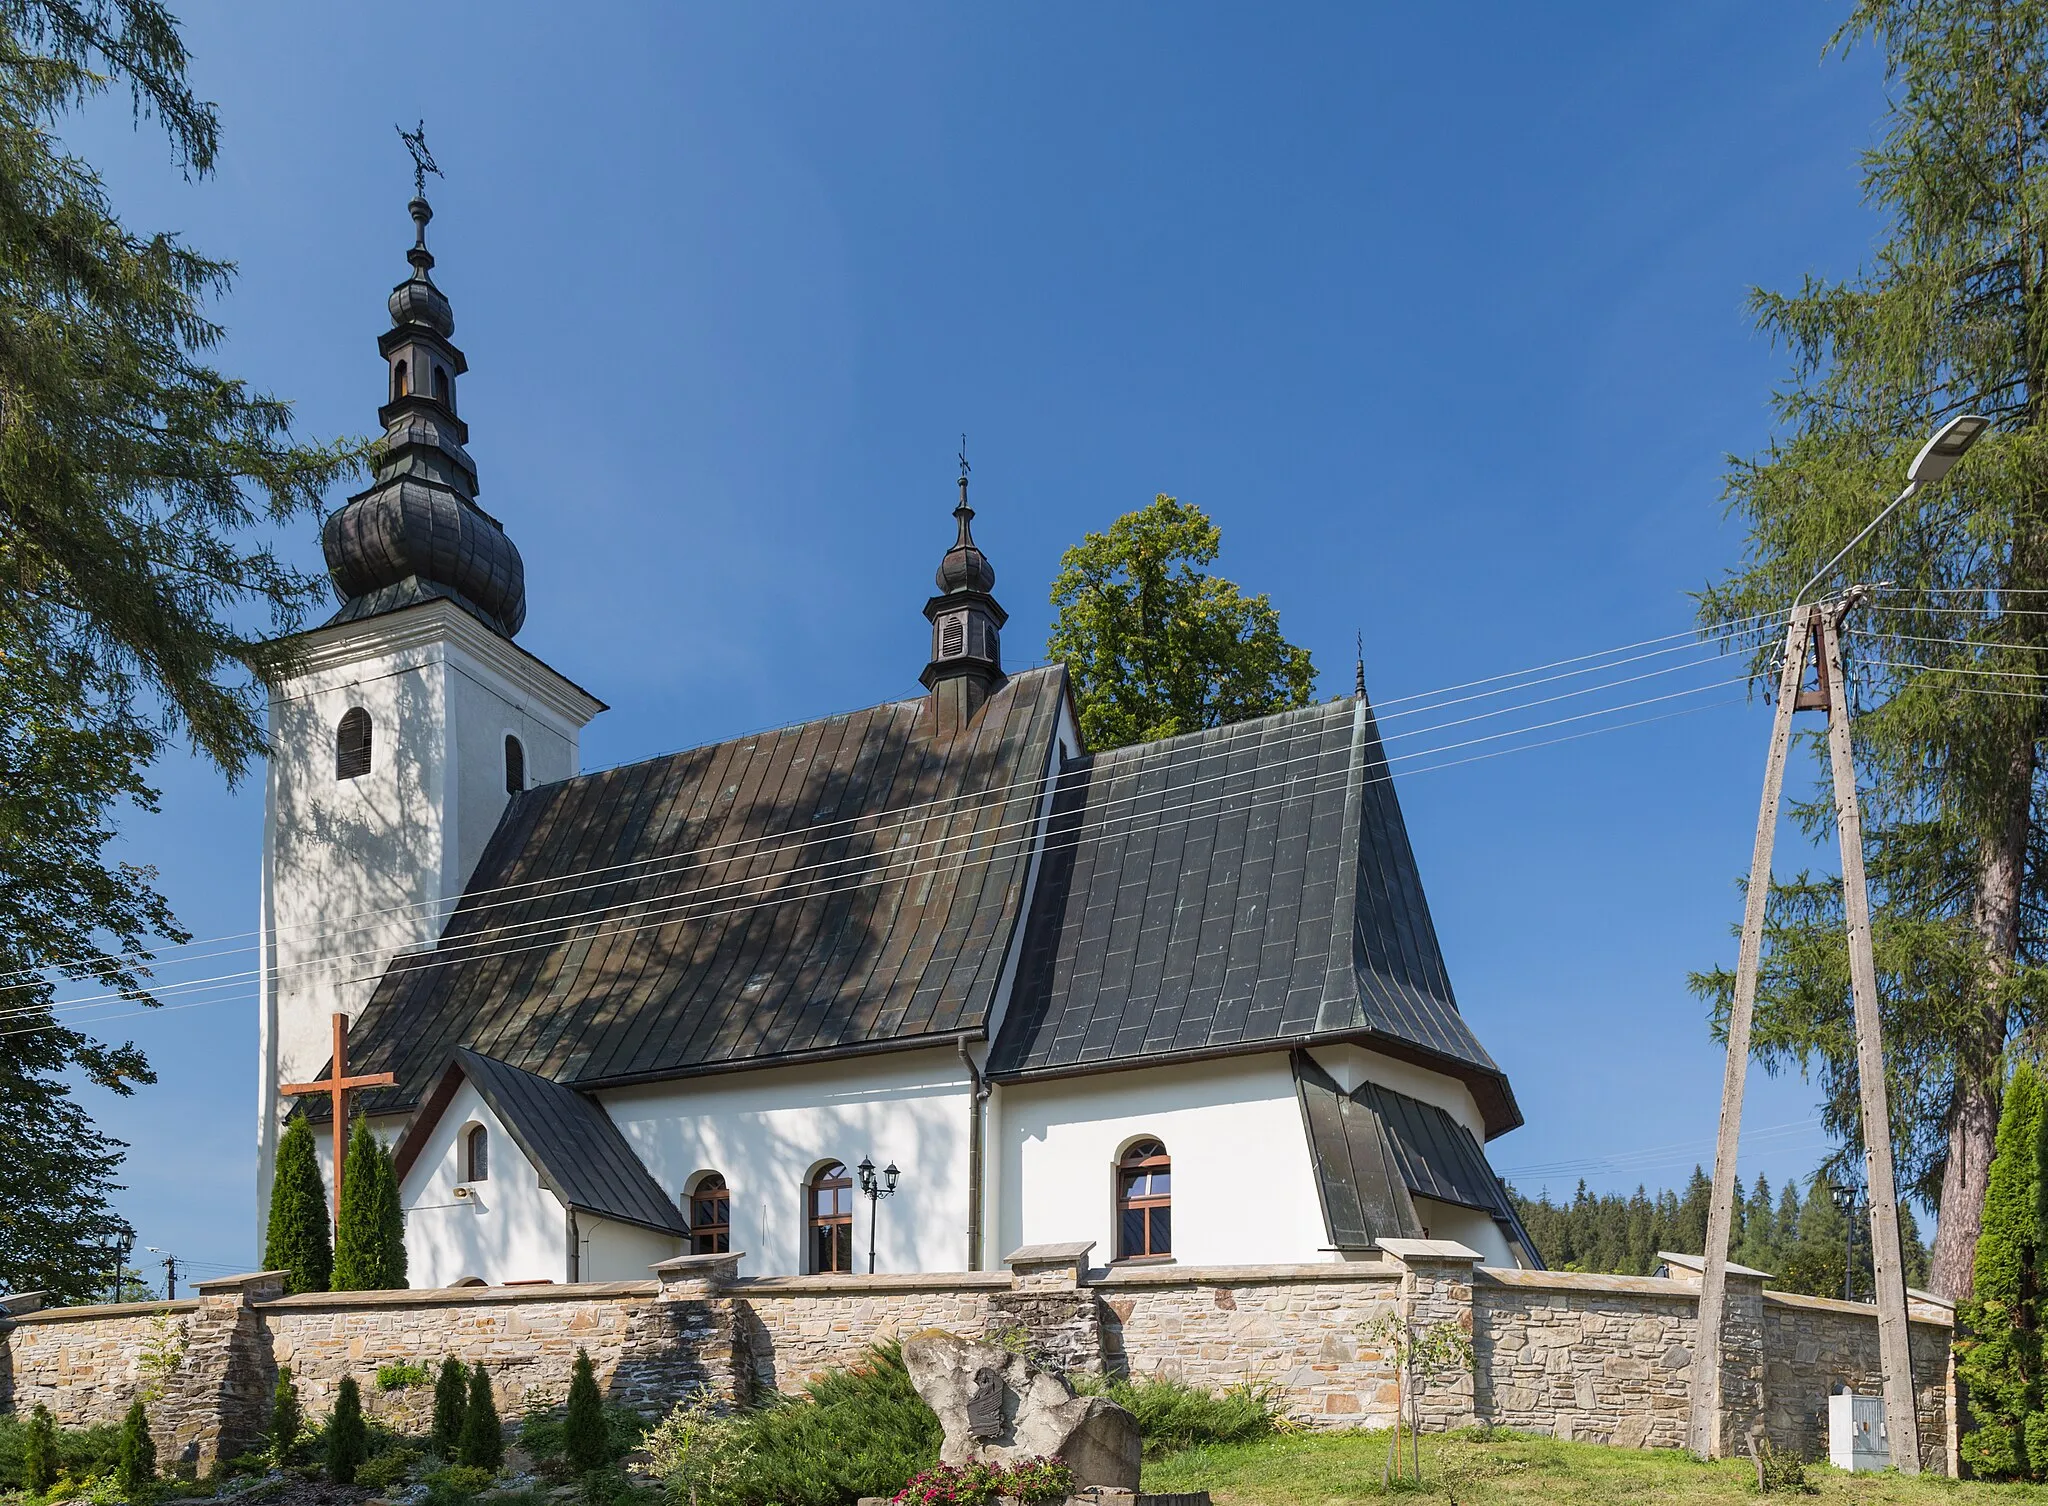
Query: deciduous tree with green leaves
x=297, y=1241
x=1155, y=644
x=135, y=479
x=1950, y=315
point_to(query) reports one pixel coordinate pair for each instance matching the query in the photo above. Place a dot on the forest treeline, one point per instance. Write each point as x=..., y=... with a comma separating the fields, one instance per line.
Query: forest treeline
x=1799, y=1240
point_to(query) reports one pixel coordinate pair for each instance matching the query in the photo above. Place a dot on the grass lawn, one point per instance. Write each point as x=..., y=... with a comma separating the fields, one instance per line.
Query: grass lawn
x=1330, y=1469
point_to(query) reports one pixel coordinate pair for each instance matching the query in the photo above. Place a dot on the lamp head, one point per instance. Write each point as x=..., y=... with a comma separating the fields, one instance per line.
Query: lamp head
x=1940, y=453
x=1845, y=1199
x=891, y=1173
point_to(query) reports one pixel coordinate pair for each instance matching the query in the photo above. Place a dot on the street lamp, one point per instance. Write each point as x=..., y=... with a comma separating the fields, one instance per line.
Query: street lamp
x=874, y=1189
x=1934, y=461
x=1845, y=1204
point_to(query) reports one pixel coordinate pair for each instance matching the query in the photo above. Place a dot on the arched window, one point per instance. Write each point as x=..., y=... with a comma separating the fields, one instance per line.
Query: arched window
x=352, y=744
x=476, y=1154
x=1144, y=1202
x=401, y=384
x=710, y=1216
x=441, y=385
x=515, y=765
x=831, y=1219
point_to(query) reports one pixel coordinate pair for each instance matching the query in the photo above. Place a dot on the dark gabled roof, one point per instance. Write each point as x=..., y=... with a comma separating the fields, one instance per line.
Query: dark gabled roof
x=1373, y=1148
x=844, y=885
x=570, y=1141
x=1251, y=885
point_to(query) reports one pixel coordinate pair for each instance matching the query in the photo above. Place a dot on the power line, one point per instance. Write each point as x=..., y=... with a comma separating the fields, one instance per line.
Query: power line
x=1298, y=788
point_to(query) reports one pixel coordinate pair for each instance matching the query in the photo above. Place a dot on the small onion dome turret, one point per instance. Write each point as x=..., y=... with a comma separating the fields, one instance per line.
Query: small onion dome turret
x=965, y=567
x=417, y=300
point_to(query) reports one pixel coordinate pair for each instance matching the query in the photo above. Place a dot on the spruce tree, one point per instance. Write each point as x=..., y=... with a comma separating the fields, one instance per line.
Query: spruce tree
x=451, y=1389
x=1999, y=1357
x=483, y=1439
x=39, y=1452
x=287, y=1421
x=296, y=1241
x=1948, y=316
x=584, y=1440
x=136, y=1463
x=348, y=1440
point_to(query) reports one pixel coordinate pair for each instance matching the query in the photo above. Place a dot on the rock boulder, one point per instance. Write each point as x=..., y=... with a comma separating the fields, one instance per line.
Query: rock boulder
x=998, y=1407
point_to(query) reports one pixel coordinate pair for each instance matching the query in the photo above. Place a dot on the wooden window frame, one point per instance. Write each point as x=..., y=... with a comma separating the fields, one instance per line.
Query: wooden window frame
x=1142, y=1160
x=829, y=1253
x=475, y=1167
x=709, y=1234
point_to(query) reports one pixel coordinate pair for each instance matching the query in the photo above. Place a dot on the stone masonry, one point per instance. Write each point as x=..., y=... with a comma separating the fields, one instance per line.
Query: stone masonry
x=1600, y=1358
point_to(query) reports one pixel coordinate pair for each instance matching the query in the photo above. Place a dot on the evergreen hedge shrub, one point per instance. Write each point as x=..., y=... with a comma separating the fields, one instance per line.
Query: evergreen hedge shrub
x=451, y=1401
x=483, y=1439
x=348, y=1440
x=296, y=1241
x=1998, y=1352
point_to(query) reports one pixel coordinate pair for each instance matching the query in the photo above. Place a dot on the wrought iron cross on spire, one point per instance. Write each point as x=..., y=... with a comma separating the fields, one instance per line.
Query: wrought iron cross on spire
x=422, y=160
x=337, y=1088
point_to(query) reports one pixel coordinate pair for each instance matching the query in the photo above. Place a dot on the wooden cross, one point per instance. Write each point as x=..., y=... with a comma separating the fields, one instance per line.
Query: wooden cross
x=337, y=1088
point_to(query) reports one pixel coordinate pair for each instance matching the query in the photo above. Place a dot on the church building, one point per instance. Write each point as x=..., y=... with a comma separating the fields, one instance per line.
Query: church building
x=1183, y=1000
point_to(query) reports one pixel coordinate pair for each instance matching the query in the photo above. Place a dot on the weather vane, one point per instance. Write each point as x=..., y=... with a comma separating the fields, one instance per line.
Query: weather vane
x=422, y=160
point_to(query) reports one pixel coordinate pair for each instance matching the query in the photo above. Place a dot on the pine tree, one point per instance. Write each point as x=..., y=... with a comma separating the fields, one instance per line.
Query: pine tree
x=585, y=1442
x=296, y=1242
x=287, y=1421
x=1999, y=1358
x=136, y=1466
x=39, y=1452
x=348, y=1440
x=1949, y=316
x=451, y=1389
x=369, y=1244
x=483, y=1438
x=1156, y=645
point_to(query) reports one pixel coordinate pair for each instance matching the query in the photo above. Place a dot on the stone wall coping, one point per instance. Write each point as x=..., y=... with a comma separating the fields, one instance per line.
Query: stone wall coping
x=14, y=1304
x=1696, y=1265
x=1244, y=1275
x=891, y=1281
x=248, y=1281
x=465, y=1296
x=717, y=1267
x=1060, y=1254
x=1587, y=1281
x=1933, y=1314
x=1409, y=1250
x=108, y=1310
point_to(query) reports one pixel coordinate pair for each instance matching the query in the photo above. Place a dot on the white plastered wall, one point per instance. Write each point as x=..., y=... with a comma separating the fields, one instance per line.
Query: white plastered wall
x=508, y=1227
x=1244, y=1190
x=767, y=1130
x=356, y=870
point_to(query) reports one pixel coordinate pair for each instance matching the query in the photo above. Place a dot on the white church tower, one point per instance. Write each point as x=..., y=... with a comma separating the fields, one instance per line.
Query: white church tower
x=408, y=721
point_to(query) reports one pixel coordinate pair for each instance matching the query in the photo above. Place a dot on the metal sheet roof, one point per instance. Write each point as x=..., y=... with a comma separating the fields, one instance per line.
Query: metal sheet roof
x=571, y=1142
x=1249, y=885
x=1373, y=1148
x=843, y=885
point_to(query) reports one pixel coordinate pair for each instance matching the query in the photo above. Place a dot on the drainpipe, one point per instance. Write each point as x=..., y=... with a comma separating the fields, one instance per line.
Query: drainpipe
x=575, y=1250
x=976, y=1098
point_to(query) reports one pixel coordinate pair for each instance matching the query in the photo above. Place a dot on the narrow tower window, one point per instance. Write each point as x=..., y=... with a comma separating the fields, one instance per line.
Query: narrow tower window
x=831, y=1219
x=400, y=383
x=711, y=1216
x=1144, y=1202
x=515, y=765
x=441, y=386
x=352, y=744
x=476, y=1155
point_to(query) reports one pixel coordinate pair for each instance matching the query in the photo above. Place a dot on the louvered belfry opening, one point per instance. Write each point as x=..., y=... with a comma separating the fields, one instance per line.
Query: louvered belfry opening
x=352, y=744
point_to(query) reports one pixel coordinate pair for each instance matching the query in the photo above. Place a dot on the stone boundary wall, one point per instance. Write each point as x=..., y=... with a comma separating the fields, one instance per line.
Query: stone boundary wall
x=1599, y=1358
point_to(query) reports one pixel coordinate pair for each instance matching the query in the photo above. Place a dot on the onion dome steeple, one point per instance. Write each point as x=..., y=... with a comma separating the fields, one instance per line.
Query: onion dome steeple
x=966, y=666
x=416, y=534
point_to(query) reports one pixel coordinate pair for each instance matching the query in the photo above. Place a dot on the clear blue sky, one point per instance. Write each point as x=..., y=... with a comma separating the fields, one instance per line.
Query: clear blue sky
x=1438, y=312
